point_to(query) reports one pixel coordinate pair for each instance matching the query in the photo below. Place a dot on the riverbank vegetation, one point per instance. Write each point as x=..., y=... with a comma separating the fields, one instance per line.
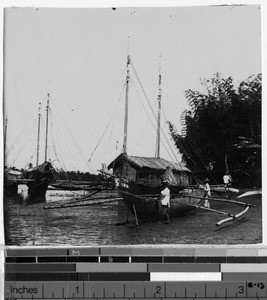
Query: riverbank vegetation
x=221, y=131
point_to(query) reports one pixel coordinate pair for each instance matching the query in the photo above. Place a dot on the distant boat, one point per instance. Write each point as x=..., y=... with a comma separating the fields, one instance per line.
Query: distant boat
x=12, y=178
x=41, y=175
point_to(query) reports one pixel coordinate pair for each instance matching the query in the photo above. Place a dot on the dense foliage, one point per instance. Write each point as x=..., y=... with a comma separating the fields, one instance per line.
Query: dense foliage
x=222, y=131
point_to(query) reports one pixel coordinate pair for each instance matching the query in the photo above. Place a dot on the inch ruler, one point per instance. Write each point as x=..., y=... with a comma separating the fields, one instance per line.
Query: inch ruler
x=135, y=290
x=142, y=273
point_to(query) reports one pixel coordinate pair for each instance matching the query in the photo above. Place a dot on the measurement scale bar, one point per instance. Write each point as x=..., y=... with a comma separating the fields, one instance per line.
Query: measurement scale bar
x=133, y=290
x=136, y=273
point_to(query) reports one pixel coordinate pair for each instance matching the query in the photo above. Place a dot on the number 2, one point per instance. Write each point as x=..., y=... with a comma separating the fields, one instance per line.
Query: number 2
x=158, y=289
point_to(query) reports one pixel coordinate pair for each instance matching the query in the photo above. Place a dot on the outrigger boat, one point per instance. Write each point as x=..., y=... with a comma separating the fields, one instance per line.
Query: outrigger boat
x=144, y=175
x=148, y=207
x=142, y=199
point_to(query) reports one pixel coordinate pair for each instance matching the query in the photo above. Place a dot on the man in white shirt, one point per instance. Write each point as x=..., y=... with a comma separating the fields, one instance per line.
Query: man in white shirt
x=165, y=201
x=227, y=179
x=206, y=193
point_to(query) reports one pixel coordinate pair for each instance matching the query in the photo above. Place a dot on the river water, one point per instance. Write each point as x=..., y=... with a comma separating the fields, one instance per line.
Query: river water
x=32, y=225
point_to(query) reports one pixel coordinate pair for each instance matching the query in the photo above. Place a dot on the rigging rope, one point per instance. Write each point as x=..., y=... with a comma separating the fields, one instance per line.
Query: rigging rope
x=149, y=119
x=18, y=140
x=173, y=153
x=76, y=145
x=144, y=131
x=72, y=161
x=26, y=142
x=112, y=115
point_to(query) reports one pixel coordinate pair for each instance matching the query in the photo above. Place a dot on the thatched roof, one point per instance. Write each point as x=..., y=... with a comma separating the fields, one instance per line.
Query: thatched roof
x=149, y=162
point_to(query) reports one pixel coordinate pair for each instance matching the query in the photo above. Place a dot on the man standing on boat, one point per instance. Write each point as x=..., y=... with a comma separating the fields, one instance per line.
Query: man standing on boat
x=206, y=193
x=227, y=180
x=165, y=201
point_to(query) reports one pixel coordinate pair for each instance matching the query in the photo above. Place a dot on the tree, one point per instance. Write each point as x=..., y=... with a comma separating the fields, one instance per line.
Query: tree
x=217, y=121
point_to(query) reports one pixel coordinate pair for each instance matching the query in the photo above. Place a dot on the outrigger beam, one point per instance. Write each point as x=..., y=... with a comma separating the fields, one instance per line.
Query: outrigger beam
x=234, y=217
x=82, y=204
x=231, y=217
x=222, y=200
x=210, y=209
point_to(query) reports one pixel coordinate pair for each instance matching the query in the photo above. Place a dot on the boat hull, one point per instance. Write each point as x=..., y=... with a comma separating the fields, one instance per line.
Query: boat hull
x=37, y=191
x=42, y=176
x=150, y=208
x=10, y=188
x=12, y=178
x=136, y=188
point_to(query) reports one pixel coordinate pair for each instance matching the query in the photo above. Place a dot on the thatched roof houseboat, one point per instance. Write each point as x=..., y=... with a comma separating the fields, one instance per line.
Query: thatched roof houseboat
x=146, y=174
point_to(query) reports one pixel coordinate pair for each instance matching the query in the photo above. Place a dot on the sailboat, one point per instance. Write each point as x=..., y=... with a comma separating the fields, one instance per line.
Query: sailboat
x=139, y=179
x=41, y=175
x=144, y=175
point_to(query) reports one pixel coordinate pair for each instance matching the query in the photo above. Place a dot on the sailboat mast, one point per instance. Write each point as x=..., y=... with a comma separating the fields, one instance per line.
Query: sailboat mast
x=124, y=147
x=157, y=154
x=46, y=131
x=38, y=134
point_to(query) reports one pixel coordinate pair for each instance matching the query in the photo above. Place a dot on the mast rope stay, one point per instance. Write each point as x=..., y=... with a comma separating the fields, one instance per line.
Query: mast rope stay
x=27, y=141
x=163, y=133
x=149, y=119
x=110, y=120
x=76, y=145
x=143, y=132
x=70, y=158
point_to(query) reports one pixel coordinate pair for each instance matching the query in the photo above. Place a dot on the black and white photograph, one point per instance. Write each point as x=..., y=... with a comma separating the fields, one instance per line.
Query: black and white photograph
x=132, y=125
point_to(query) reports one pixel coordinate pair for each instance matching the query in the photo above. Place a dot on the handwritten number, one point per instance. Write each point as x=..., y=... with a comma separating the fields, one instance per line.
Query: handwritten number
x=259, y=285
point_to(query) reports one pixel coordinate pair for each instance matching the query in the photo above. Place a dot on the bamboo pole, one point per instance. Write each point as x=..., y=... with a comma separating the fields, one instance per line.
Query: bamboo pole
x=211, y=209
x=82, y=204
x=223, y=200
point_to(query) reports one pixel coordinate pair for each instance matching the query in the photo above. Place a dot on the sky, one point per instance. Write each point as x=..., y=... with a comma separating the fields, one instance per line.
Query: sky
x=78, y=56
